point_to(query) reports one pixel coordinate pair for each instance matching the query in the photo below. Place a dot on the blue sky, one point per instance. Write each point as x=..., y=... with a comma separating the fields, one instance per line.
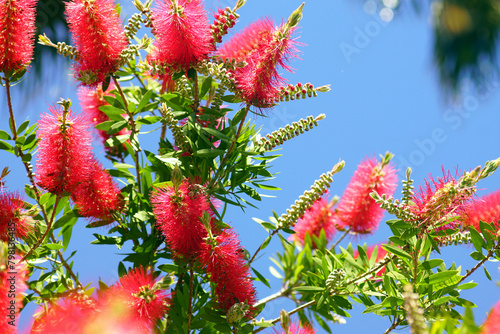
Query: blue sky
x=385, y=97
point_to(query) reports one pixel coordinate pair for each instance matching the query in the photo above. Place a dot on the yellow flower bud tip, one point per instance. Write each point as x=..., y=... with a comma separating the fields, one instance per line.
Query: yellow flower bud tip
x=320, y=117
x=295, y=17
x=323, y=89
x=338, y=166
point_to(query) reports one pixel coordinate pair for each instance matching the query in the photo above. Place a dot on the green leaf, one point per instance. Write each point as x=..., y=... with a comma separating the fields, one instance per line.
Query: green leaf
x=467, y=286
x=208, y=153
x=207, y=83
x=149, y=120
x=6, y=147
x=104, y=126
x=238, y=116
x=429, y=264
x=4, y=135
x=309, y=288
x=486, y=272
x=105, y=240
x=144, y=101
x=477, y=239
x=169, y=268
x=54, y=246
x=216, y=133
x=22, y=127
x=117, y=126
x=275, y=273
x=397, y=251
x=440, y=277
x=261, y=278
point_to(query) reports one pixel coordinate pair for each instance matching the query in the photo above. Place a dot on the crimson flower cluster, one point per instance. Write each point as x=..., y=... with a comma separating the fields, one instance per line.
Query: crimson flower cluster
x=97, y=32
x=179, y=211
x=66, y=164
x=132, y=305
x=17, y=29
x=14, y=220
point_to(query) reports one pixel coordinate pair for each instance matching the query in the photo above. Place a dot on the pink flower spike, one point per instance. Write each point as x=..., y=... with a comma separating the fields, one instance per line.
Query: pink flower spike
x=98, y=196
x=317, y=218
x=439, y=200
x=14, y=221
x=143, y=300
x=228, y=269
x=178, y=212
x=17, y=29
x=182, y=32
x=254, y=37
x=357, y=210
x=12, y=278
x=492, y=323
x=296, y=328
x=486, y=209
x=258, y=82
x=64, y=151
x=97, y=33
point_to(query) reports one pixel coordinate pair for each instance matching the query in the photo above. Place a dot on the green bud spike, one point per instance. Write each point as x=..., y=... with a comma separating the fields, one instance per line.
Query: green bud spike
x=285, y=320
x=176, y=177
x=237, y=312
x=239, y=4
x=414, y=312
x=323, y=89
x=335, y=279
x=306, y=200
x=393, y=206
x=295, y=17
x=179, y=136
x=278, y=137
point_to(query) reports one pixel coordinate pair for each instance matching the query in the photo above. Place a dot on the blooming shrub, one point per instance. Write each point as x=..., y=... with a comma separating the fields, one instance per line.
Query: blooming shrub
x=188, y=270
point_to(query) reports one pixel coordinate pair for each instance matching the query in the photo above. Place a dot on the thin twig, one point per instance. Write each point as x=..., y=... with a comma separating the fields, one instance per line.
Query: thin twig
x=341, y=238
x=394, y=325
x=281, y=293
x=134, y=132
x=66, y=265
x=262, y=244
x=49, y=227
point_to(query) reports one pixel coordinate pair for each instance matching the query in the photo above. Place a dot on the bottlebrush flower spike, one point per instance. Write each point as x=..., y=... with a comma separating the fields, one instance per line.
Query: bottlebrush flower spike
x=98, y=196
x=63, y=152
x=442, y=198
x=17, y=29
x=91, y=99
x=253, y=38
x=14, y=220
x=182, y=32
x=13, y=276
x=317, y=218
x=486, y=209
x=178, y=210
x=223, y=259
x=296, y=328
x=142, y=297
x=97, y=33
x=69, y=315
x=492, y=323
x=357, y=210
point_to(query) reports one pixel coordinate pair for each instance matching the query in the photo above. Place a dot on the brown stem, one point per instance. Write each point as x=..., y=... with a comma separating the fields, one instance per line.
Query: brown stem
x=66, y=265
x=262, y=244
x=394, y=325
x=49, y=226
x=134, y=132
x=341, y=238
x=480, y=263
x=196, y=94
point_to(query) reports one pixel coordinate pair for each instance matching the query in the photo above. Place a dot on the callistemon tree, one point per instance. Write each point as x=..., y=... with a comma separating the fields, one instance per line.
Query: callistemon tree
x=188, y=270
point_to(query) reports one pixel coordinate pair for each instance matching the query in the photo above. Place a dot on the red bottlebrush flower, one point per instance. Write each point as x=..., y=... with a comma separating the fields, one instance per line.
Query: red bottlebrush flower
x=98, y=196
x=178, y=213
x=254, y=37
x=182, y=33
x=17, y=29
x=357, y=210
x=91, y=99
x=381, y=253
x=143, y=300
x=12, y=285
x=439, y=199
x=492, y=323
x=486, y=209
x=318, y=217
x=14, y=222
x=63, y=152
x=296, y=328
x=258, y=82
x=68, y=315
x=99, y=38
x=227, y=268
